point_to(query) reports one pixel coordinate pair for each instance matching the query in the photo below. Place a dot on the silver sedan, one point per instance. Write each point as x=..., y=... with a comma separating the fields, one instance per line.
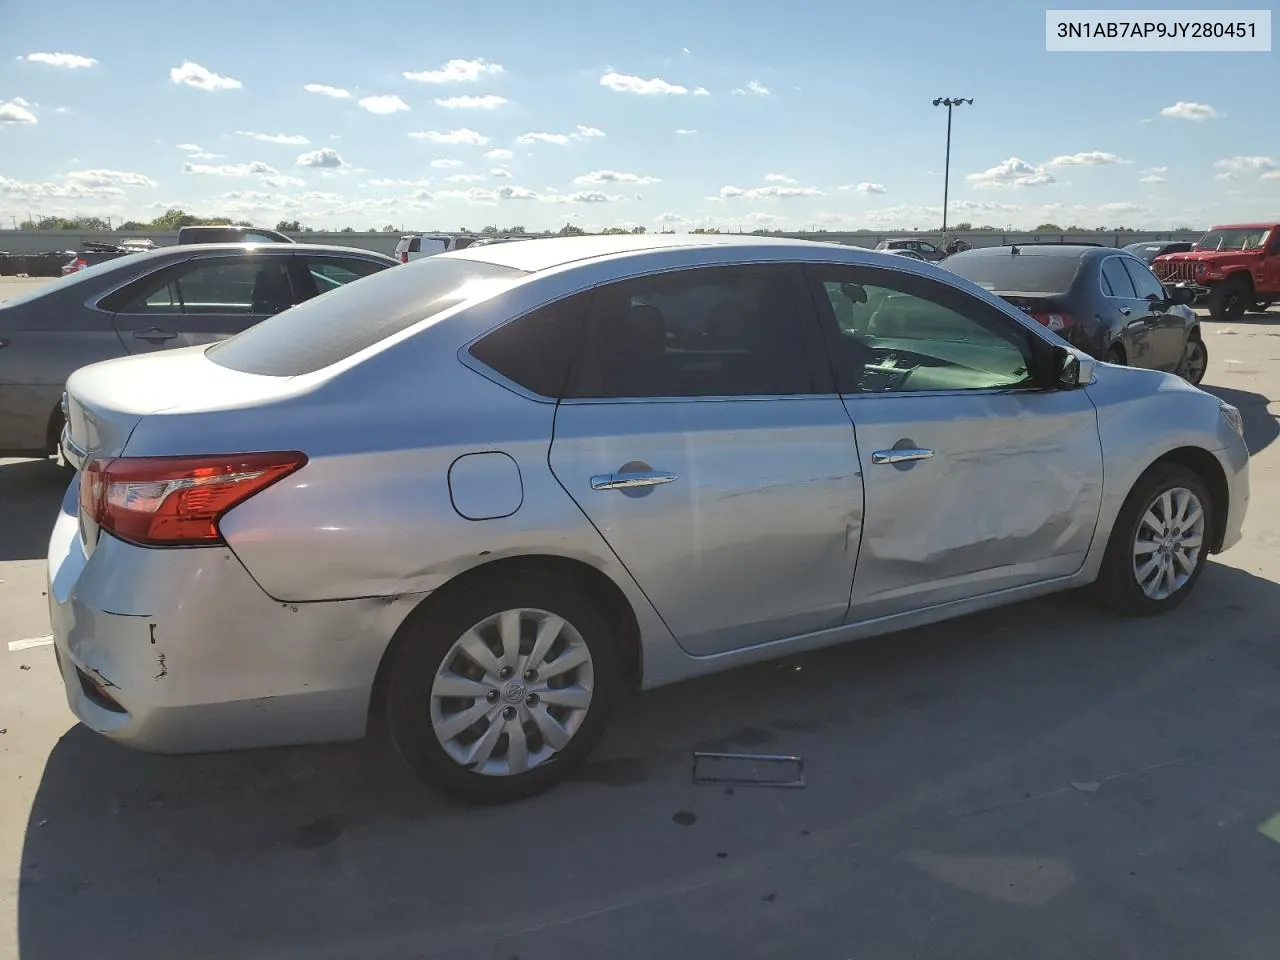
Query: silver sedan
x=481, y=495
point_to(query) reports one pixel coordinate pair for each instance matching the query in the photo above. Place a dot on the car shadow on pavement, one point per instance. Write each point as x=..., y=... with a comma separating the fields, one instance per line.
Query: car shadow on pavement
x=1261, y=426
x=336, y=851
x=30, y=494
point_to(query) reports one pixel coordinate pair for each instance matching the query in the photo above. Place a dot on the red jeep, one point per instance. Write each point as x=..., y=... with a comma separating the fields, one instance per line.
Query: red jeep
x=1239, y=265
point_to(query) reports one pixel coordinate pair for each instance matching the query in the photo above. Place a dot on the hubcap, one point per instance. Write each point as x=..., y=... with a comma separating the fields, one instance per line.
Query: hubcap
x=1167, y=545
x=488, y=716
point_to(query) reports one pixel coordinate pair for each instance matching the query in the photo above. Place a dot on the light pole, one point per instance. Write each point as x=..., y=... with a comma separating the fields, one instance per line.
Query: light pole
x=948, y=102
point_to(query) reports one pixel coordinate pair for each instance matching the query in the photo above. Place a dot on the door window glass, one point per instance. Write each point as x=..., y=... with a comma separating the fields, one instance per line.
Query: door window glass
x=912, y=335
x=224, y=285
x=1115, y=280
x=1144, y=281
x=329, y=273
x=706, y=332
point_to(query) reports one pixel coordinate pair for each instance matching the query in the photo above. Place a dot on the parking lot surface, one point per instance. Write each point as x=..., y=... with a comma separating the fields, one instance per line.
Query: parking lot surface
x=1040, y=781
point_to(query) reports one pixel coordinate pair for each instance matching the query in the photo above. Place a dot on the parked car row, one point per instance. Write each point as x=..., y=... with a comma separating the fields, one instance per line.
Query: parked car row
x=480, y=496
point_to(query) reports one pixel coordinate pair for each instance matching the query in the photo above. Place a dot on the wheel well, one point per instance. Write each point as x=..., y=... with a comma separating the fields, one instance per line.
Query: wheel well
x=53, y=432
x=1194, y=334
x=1206, y=466
x=596, y=585
x=1239, y=277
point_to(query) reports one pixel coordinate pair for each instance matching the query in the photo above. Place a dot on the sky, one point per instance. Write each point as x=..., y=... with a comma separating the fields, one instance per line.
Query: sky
x=667, y=115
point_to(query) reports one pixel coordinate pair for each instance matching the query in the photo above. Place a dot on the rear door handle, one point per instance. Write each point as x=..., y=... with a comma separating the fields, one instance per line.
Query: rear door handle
x=904, y=455
x=1125, y=311
x=153, y=334
x=624, y=481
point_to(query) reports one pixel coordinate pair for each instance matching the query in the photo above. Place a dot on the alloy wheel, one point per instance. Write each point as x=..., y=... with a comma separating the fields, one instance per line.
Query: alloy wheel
x=1193, y=364
x=512, y=692
x=1168, y=542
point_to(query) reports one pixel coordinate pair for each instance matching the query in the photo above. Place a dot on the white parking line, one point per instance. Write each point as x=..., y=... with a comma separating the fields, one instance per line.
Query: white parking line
x=16, y=645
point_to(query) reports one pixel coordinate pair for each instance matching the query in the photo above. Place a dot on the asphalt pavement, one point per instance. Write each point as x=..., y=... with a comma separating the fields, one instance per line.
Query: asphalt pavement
x=1041, y=781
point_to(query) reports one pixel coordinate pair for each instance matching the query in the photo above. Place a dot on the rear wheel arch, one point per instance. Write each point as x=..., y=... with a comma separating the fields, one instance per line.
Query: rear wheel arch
x=593, y=583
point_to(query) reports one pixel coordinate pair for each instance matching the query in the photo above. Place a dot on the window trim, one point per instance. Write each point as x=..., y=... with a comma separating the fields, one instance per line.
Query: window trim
x=1036, y=340
x=95, y=302
x=1113, y=296
x=813, y=349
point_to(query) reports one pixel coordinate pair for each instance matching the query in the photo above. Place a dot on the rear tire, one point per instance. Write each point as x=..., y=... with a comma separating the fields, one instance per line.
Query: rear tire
x=1230, y=299
x=1262, y=306
x=453, y=664
x=1159, y=543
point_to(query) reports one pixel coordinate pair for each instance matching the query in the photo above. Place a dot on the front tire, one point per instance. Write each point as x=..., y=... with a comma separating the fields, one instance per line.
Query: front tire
x=1195, y=361
x=504, y=690
x=1160, y=543
x=1230, y=299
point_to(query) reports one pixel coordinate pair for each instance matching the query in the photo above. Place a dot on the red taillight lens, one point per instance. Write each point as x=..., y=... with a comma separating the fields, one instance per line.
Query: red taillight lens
x=1057, y=322
x=404, y=256
x=176, y=501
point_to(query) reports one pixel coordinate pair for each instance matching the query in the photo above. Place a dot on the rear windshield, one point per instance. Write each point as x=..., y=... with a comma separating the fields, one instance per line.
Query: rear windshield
x=327, y=329
x=1028, y=272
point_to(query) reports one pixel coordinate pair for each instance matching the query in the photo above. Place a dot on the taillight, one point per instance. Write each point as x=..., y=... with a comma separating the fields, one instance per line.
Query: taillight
x=176, y=501
x=1057, y=322
x=404, y=256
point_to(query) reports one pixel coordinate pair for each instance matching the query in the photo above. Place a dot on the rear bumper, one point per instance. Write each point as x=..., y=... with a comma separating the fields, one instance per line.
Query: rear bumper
x=71, y=451
x=180, y=651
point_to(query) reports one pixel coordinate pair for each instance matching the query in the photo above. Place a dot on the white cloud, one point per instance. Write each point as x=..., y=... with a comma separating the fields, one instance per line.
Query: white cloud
x=1126, y=207
x=250, y=169
x=1272, y=175
x=560, y=139
x=204, y=155
x=1247, y=164
x=466, y=178
x=327, y=91
x=489, y=102
x=753, y=87
x=383, y=104
x=1012, y=172
x=194, y=75
x=389, y=182
x=1091, y=158
x=871, y=188
x=15, y=112
x=499, y=153
x=456, y=71
x=516, y=193
x=500, y=173
x=767, y=193
x=110, y=178
x=446, y=164
x=1156, y=170
x=326, y=158
x=1189, y=110
x=292, y=139
x=626, y=83
x=779, y=178
x=194, y=147
x=1151, y=178
x=71, y=61
x=614, y=176
x=283, y=180
x=1226, y=176
x=701, y=92
x=683, y=132
x=31, y=190
x=462, y=137
x=474, y=195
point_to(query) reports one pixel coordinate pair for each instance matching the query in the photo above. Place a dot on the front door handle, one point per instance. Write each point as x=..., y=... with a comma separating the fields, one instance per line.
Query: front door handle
x=903, y=455
x=153, y=334
x=1125, y=311
x=625, y=481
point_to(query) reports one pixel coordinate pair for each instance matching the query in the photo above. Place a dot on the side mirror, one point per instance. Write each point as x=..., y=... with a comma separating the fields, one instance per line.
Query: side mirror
x=1180, y=293
x=1069, y=371
x=854, y=292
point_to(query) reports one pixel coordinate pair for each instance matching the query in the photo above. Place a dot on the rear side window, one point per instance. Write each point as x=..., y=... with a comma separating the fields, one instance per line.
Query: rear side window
x=327, y=329
x=535, y=351
x=1116, y=281
x=1026, y=272
x=329, y=273
x=415, y=244
x=461, y=243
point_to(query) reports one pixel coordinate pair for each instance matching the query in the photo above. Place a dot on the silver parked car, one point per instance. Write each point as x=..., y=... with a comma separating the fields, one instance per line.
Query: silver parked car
x=481, y=495
x=140, y=302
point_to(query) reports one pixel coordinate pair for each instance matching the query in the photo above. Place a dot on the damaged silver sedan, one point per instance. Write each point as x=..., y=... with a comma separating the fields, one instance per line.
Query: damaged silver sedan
x=479, y=496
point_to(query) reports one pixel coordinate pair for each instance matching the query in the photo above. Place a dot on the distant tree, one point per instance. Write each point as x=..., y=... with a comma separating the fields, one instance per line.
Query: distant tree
x=516, y=229
x=133, y=225
x=289, y=226
x=964, y=226
x=613, y=231
x=71, y=223
x=569, y=230
x=705, y=230
x=1184, y=229
x=637, y=229
x=1048, y=228
x=389, y=228
x=489, y=230
x=347, y=230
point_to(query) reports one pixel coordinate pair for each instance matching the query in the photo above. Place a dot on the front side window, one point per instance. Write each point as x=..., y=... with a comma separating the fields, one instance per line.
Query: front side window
x=1116, y=281
x=1145, y=283
x=224, y=285
x=891, y=333
x=706, y=332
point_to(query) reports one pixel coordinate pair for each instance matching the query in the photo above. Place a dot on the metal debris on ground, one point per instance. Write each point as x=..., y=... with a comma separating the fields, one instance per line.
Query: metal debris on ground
x=743, y=769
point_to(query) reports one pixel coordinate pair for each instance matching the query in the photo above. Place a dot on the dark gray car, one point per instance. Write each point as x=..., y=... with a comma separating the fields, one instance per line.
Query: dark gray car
x=161, y=299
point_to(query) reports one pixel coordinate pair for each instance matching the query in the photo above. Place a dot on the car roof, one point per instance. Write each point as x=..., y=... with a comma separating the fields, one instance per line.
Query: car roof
x=1264, y=225
x=186, y=248
x=540, y=254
